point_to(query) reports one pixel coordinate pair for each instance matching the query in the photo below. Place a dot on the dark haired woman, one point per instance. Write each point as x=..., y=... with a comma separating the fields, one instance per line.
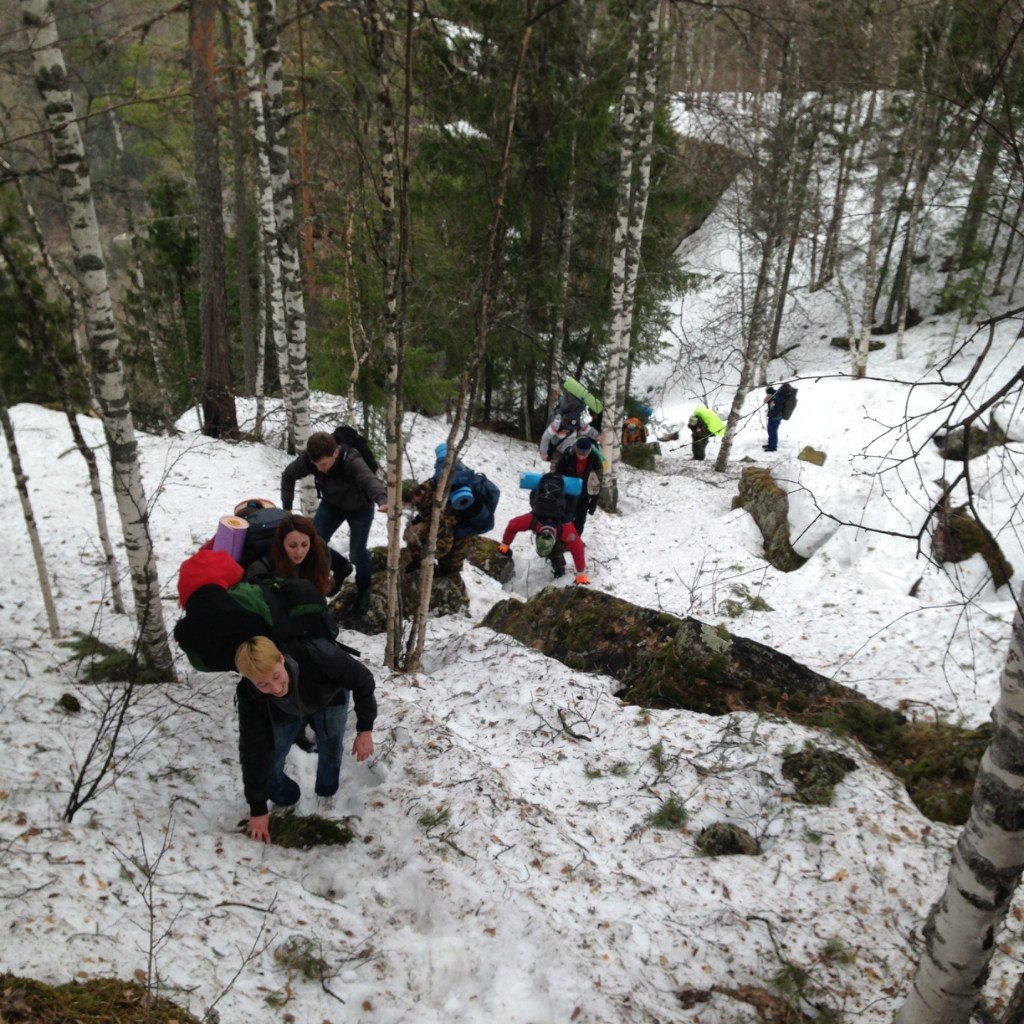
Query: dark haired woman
x=296, y=552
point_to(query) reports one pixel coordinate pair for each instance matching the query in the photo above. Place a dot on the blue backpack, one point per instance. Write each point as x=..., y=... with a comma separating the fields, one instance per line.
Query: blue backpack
x=479, y=517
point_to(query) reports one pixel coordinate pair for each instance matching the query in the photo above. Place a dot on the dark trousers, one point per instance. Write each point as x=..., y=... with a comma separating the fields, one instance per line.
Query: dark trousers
x=773, y=432
x=326, y=522
x=329, y=726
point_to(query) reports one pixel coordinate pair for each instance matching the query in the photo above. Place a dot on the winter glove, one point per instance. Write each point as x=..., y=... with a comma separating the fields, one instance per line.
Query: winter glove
x=503, y=549
x=582, y=580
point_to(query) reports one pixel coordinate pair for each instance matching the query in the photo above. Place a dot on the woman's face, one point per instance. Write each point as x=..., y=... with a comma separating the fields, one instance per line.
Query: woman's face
x=296, y=546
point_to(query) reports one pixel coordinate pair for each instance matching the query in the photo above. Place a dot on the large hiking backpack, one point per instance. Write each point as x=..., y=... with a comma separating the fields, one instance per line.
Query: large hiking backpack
x=568, y=412
x=573, y=387
x=710, y=420
x=786, y=395
x=351, y=437
x=547, y=499
x=260, y=532
x=483, y=489
x=478, y=516
x=217, y=620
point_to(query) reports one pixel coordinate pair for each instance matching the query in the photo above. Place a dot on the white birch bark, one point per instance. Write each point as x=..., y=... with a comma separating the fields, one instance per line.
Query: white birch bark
x=287, y=229
x=104, y=345
x=961, y=931
x=636, y=124
x=860, y=352
x=272, y=307
x=377, y=32
x=21, y=484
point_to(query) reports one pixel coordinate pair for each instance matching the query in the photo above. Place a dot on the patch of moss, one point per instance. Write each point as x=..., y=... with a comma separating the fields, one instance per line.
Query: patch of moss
x=304, y=831
x=430, y=819
x=671, y=815
x=96, y=1001
x=938, y=763
x=815, y=771
x=723, y=839
x=301, y=956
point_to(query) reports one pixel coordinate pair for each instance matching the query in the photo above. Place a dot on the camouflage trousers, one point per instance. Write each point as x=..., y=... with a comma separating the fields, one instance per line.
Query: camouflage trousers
x=451, y=553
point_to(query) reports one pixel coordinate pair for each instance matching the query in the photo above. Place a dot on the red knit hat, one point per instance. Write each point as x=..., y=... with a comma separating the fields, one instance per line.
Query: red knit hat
x=207, y=567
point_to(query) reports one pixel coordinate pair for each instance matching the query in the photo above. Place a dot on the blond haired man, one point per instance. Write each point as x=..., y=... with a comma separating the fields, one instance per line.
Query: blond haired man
x=279, y=690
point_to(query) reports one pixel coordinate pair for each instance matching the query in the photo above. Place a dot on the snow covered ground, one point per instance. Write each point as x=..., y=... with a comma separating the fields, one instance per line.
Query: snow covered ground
x=502, y=869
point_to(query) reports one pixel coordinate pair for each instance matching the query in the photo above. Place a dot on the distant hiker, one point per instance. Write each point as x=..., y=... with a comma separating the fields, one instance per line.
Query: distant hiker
x=550, y=520
x=348, y=491
x=577, y=412
x=553, y=445
x=296, y=552
x=469, y=512
x=703, y=423
x=773, y=403
x=277, y=691
x=634, y=431
x=583, y=461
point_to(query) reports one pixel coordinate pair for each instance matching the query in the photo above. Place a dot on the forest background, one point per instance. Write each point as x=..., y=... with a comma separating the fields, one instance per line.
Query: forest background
x=448, y=207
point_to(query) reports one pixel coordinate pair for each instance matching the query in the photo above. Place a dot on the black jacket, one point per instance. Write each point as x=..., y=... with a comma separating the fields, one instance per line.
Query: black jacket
x=319, y=674
x=567, y=466
x=348, y=484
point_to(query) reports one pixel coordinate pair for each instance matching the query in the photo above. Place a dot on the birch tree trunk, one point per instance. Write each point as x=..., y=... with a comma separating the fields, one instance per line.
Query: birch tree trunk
x=961, y=931
x=860, y=352
x=272, y=307
x=376, y=28
x=287, y=229
x=104, y=345
x=753, y=348
x=21, y=484
x=636, y=124
x=218, y=398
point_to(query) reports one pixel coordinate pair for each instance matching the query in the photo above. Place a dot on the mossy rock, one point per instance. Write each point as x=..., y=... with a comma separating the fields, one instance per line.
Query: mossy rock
x=640, y=456
x=95, y=1001
x=663, y=661
x=841, y=341
x=812, y=455
x=768, y=505
x=723, y=839
x=938, y=763
x=960, y=536
x=69, y=703
x=483, y=553
x=815, y=771
x=961, y=445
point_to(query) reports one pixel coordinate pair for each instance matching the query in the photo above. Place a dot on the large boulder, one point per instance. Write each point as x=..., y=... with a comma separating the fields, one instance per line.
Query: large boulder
x=768, y=504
